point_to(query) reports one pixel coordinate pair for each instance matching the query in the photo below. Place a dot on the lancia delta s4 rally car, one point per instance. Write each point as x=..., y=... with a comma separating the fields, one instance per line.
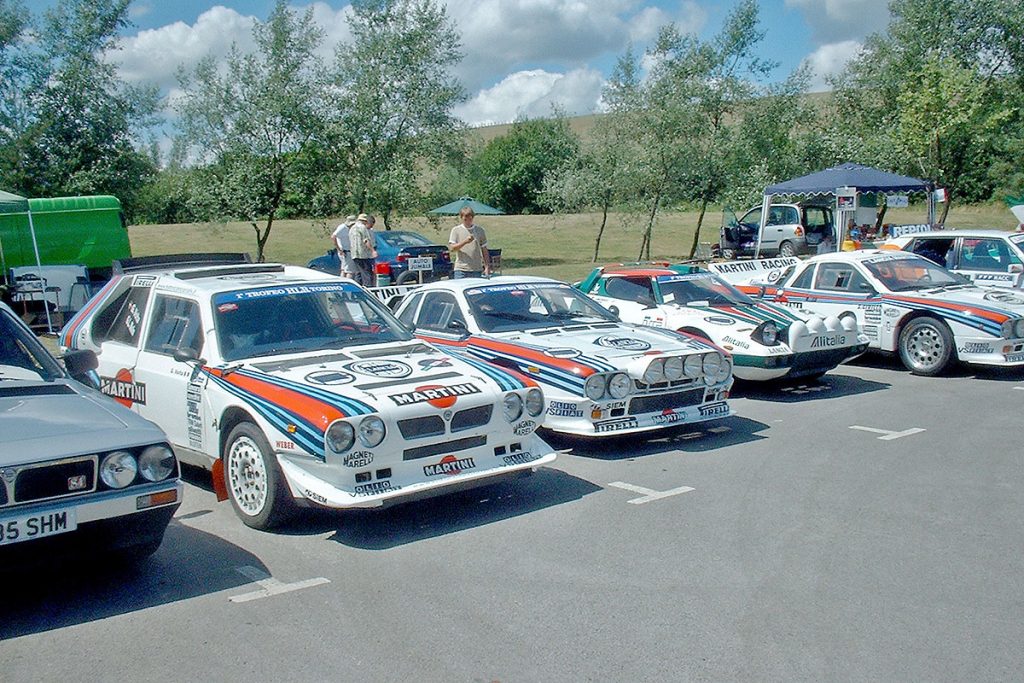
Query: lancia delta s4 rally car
x=602, y=376
x=909, y=305
x=80, y=476
x=767, y=341
x=297, y=387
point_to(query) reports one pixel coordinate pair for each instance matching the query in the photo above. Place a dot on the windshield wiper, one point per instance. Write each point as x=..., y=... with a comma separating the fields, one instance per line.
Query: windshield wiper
x=574, y=315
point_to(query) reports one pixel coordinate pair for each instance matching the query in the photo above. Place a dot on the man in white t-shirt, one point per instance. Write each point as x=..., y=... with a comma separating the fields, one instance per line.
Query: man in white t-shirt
x=468, y=242
x=341, y=241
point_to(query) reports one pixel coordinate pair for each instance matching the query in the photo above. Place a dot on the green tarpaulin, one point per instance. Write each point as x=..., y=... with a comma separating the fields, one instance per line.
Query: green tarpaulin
x=453, y=208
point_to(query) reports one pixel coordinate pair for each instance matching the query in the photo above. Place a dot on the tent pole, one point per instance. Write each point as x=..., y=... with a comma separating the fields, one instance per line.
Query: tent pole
x=39, y=264
x=765, y=205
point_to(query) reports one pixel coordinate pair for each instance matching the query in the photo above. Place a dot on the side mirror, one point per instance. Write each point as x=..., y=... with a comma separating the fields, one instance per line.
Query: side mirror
x=457, y=326
x=80, y=363
x=188, y=355
x=1016, y=268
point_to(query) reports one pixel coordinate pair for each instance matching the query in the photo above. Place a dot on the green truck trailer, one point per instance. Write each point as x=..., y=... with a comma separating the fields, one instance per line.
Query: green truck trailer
x=88, y=231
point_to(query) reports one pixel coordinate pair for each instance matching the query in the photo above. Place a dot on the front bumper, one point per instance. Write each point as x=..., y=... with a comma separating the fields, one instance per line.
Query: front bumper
x=990, y=351
x=430, y=475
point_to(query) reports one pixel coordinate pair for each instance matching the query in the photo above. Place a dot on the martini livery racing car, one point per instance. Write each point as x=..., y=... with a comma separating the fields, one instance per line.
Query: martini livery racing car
x=767, y=341
x=79, y=474
x=602, y=376
x=907, y=304
x=295, y=386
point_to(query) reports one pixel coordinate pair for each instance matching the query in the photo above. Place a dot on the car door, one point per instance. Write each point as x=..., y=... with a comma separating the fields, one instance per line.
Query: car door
x=770, y=238
x=441, y=318
x=988, y=262
x=116, y=330
x=631, y=298
x=174, y=388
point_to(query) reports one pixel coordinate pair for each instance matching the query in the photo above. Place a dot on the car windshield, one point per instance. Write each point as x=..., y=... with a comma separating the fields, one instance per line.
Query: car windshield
x=525, y=306
x=399, y=240
x=299, y=318
x=22, y=357
x=700, y=287
x=1018, y=239
x=906, y=273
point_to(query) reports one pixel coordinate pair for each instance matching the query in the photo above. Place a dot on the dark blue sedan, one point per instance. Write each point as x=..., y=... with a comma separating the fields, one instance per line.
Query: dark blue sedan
x=394, y=249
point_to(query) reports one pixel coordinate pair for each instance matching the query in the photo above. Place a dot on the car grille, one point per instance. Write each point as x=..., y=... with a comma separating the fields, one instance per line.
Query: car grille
x=419, y=427
x=3, y=493
x=446, y=447
x=660, y=402
x=54, y=479
x=471, y=417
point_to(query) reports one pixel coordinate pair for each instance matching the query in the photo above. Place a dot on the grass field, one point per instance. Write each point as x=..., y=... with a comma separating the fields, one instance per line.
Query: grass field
x=559, y=246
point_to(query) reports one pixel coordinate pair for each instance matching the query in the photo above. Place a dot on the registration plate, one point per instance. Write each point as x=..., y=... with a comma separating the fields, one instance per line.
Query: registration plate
x=1014, y=357
x=421, y=263
x=30, y=527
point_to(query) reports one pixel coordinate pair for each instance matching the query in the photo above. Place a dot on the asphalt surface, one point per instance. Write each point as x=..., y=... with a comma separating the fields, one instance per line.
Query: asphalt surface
x=806, y=550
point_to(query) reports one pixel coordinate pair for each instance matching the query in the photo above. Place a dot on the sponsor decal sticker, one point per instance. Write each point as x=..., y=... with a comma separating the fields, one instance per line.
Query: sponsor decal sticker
x=668, y=416
x=431, y=363
x=390, y=369
x=357, y=459
x=714, y=409
x=435, y=394
x=719, y=320
x=449, y=465
x=523, y=428
x=623, y=343
x=735, y=342
x=313, y=495
x=375, y=487
x=1004, y=297
x=975, y=347
x=564, y=409
x=615, y=425
x=330, y=377
x=144, y=281
x=891, y=312
x=124, y=389
x=826, y=342
x=285, y=445
x=519, y=458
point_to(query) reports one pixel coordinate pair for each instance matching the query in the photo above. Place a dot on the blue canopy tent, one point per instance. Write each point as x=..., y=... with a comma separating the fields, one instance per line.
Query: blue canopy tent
x=855, y=178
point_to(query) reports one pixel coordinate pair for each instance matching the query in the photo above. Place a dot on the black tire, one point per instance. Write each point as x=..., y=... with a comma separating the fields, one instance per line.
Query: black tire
x=786, y=249
x=256, y=487
x=407, y=277
x=729, y=254
x=926, y=346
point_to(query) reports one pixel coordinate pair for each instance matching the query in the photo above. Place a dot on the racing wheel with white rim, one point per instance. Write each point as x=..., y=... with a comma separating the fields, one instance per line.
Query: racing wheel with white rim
x=926, y=346
x=255, y=484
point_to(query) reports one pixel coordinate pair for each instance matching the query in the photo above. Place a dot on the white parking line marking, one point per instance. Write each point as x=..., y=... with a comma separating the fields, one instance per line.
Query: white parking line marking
x=1019, y=388
x=719, y=430
x=889, y=435
x=271, y=586
x=649, y=494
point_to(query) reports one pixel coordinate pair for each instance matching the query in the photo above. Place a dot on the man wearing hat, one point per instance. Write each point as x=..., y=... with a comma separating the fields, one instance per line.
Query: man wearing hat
x=340, y=237
x=364, y=249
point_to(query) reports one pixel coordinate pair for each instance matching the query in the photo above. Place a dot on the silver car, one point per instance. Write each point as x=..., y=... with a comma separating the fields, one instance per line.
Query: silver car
x=78, y=472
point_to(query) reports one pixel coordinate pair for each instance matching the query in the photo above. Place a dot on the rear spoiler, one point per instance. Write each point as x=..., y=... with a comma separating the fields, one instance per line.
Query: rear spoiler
x=176, y=261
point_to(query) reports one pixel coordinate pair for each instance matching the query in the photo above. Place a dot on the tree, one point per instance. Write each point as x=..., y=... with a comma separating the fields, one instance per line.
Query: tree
x=69, y=124
x=509, y=172
x=393, y=95
x=251, y=120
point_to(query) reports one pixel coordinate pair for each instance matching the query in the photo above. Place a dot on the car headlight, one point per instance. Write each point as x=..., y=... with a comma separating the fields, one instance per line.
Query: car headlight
x=674, y=368
x=619, y=385
x=340, y=436
x=655, y=372
x=693, y=365
x=156, y=463
x=513, y=406
x=595, y=387
x=371, y=431
x=712, y=365
x=1018, y=328
x=118, y=469
x=534, y=402
x=767, y=333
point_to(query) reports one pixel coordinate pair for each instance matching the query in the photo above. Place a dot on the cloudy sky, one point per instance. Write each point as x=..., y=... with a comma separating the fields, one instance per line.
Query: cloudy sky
x=521, y=56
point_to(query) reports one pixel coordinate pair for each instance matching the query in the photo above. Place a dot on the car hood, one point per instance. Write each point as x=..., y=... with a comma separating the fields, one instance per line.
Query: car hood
x=600, y=347
x=367, y=379
x=44, y=420
x=1003, y=301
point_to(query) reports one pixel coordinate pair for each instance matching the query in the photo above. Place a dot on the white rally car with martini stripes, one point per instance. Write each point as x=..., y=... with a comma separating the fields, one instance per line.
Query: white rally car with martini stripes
x=767, y=341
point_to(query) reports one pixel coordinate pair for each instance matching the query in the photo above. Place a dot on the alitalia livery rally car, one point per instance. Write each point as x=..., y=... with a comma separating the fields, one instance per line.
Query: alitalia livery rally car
x=767, y=341
x=602, y=376
x=294, y=386
x=907, y=304
x=79, y=474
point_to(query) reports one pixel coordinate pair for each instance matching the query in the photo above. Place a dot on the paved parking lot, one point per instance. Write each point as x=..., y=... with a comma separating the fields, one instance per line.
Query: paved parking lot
x=867, y=527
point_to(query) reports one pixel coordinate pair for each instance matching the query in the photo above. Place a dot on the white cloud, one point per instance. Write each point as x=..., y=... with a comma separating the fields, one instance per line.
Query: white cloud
x=828, y=60
x=834, y=21
x=532, y=94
